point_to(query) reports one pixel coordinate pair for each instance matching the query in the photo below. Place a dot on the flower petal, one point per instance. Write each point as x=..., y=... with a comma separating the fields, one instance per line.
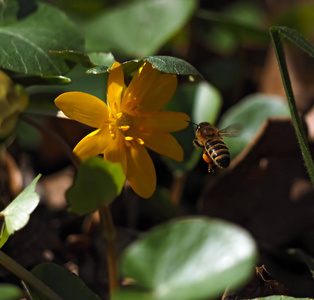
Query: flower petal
x=165, y=144
x=84, y=108
x=166, y=121
x=93, y=144
x=115, y=151
x=141, y=172
x=115, y=87
x=153, y=87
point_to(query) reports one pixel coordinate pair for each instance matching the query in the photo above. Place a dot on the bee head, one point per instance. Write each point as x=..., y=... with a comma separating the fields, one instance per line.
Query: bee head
x=202, y=125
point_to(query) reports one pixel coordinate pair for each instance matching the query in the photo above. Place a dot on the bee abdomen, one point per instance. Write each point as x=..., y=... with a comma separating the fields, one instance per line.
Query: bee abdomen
x=219, y=152
x=223, y=161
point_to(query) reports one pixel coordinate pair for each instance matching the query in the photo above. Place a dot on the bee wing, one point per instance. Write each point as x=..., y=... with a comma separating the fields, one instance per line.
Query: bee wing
x=232, y=130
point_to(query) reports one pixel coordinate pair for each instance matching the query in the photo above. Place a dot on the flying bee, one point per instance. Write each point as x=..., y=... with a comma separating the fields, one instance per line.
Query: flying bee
x=209, y=138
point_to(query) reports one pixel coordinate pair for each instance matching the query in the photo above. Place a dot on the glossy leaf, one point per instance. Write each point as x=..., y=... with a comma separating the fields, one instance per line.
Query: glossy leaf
x=173, y=65
x=98, y=182
x=251, y=112
x=192, y=258
x=63, y=282
x=25, y=43
x=10, y=292
x=207, y=104
x=88, y=60
x=102, y=58
x=138, y=28
x=16, y=214
x=26, y=80
x=165, y=64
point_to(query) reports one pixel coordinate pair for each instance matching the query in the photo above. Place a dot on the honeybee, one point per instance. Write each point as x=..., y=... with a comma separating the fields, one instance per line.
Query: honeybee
x=208, y=138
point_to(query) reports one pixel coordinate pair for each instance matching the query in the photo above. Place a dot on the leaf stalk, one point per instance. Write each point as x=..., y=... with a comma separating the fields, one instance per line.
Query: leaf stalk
x=19, y=271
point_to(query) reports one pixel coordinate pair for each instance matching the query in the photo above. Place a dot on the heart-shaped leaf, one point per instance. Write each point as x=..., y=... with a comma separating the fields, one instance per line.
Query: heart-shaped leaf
x=192, y=258
x=251, y=112
x=25, y=43
x=98, y=182
x=16, y=214
x=138, y=28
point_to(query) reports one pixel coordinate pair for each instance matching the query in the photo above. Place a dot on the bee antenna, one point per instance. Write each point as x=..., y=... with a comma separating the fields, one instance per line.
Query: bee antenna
x=191, y=122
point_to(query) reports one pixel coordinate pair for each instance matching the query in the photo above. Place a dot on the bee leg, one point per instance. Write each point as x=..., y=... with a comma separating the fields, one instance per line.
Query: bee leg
x=207, y=158
x=210, y=168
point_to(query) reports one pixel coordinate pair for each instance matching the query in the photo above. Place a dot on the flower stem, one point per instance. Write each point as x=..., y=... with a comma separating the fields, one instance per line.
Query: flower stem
x=110, y=236
x=281, y=59
x=27, y=276
x=45, y=132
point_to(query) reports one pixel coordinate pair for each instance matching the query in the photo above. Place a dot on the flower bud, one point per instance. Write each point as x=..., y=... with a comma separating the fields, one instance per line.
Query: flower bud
x=13, y=100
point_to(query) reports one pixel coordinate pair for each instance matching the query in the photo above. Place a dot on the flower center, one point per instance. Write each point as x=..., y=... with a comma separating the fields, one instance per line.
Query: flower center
x=124, y=122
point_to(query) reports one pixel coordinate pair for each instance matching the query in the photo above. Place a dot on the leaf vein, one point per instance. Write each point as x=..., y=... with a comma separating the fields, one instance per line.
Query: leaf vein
x=33, y=45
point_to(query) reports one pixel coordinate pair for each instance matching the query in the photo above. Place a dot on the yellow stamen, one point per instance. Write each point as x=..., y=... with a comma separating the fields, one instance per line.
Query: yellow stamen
x=140, y=141
x=124, y=127
x=129, y=138
x=119, y=115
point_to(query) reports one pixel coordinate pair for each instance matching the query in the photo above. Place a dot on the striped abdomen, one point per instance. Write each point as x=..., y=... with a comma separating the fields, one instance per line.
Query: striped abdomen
x=218, y=152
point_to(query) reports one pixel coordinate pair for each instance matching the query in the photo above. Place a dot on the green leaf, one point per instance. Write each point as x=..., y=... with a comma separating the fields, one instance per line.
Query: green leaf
x=102, y=58
x=25, y=44
x=74, y=56
x=63, y=282
x=8, y=11
x=173, y=65
x=138, y=28
x=240, y=22
x=10, y=292
x=165, y=64
x=207, y=104
x=192, y=258
x=251, y=112
x=26, y=80
x=98, y=182
x=87, y=60
x=16, y=214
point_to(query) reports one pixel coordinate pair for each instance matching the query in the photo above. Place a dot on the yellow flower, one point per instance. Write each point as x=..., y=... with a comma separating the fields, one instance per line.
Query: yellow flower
x=132, y=121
